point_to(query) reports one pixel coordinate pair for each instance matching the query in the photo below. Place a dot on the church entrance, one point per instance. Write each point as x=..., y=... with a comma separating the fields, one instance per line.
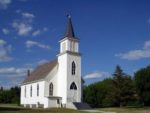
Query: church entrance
x=73, y=93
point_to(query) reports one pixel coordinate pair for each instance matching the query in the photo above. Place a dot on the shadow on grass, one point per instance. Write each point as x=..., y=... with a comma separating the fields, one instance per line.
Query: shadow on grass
x=11, y=109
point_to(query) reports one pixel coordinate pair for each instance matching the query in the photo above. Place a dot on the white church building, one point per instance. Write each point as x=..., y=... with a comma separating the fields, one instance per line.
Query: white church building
x=57, y=83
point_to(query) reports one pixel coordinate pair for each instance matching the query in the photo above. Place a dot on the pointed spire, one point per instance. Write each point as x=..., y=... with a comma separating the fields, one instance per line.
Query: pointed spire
x=69, y=31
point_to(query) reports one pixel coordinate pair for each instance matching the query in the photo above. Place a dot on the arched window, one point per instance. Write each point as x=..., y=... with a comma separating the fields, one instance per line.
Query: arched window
x=73, y=68
x=37, y=89
x=31, y=91
x=51, y=89
x=73, y=86
x=25, y=91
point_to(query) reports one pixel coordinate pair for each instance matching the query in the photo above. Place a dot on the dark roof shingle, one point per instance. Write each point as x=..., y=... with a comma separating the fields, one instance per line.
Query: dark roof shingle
x=69, y=30
x=41, y=72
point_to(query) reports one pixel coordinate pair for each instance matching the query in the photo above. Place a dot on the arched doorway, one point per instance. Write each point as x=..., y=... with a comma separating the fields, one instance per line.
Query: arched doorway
x=73, y=92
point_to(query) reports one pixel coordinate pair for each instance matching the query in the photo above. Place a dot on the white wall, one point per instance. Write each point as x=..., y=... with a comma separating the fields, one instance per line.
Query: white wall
x=62, y=78
x=76, y=47
x=65, y=77
x=68, y=46
x=74, y=78
x=34, y=99
x=52, y=78
x=62, y=48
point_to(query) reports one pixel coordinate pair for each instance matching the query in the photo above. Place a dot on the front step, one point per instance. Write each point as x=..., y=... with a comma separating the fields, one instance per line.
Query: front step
x=81, y=106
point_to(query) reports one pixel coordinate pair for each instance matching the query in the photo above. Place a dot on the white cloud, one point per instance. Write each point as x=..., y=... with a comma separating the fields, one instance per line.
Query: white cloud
x=2, y=42
x=137, y=54
x=45, y=29
x=35, y=33
x=30, y=44
x=25, y=15
x=95, y=75
x=12, y=74
x=38, y=32
x=13, y=71
x=4, y=51
x=43, y=61
x=22, y=28
x=18, y=11
x=147, y=45
x=5, y=3
x=148, y=20
x=134, y=54
x=24, y=25
x=28, y=15
x=5, y=31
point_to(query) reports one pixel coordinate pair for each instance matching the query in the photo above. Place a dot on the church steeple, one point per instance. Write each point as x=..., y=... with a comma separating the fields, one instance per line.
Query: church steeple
x=69, y=30
x=69, y=43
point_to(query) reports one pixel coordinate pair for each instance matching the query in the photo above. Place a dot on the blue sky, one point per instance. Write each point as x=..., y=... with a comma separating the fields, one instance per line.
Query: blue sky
x=110, y=33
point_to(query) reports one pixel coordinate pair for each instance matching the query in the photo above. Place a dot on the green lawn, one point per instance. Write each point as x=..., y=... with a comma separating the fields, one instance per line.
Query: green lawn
x=126, y=110
x=53, y=110
x=9, y=108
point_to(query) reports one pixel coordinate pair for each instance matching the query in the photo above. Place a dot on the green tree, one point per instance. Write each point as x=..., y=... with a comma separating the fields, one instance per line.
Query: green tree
x=123, y=88
x=15, y=92
x=11, y=95
x=142, y=81
x=1, y=88
x=98, y=94
x=90, y=95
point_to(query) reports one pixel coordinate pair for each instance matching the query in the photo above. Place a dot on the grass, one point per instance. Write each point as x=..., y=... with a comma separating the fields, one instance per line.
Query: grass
x=126, y=110
x=12, y=108
x=9, y=108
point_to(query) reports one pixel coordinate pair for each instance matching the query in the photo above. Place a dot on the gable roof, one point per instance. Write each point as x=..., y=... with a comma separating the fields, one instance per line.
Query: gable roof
x=41, y=71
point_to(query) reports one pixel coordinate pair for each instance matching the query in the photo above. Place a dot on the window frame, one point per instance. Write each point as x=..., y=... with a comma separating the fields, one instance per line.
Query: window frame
x=31, y=91
x=73, y=86
x=73, y=68
x=25, y=92
x=51, y=89
x=37, y=89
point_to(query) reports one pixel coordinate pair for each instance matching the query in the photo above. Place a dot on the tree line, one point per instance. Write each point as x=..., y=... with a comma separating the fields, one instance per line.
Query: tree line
x=120, y=90
x=11, y=96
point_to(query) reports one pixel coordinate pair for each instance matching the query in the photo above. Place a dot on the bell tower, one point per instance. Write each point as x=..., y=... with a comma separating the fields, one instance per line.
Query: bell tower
x=69, y=43
x=69, y=60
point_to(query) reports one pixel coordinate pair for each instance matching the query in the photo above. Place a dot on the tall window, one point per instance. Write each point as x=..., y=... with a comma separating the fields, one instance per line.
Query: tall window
x=73, y=68
x=25, y=91
x=51, y=89
x=73, y=86
x=37, y=89
x=31, y=91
